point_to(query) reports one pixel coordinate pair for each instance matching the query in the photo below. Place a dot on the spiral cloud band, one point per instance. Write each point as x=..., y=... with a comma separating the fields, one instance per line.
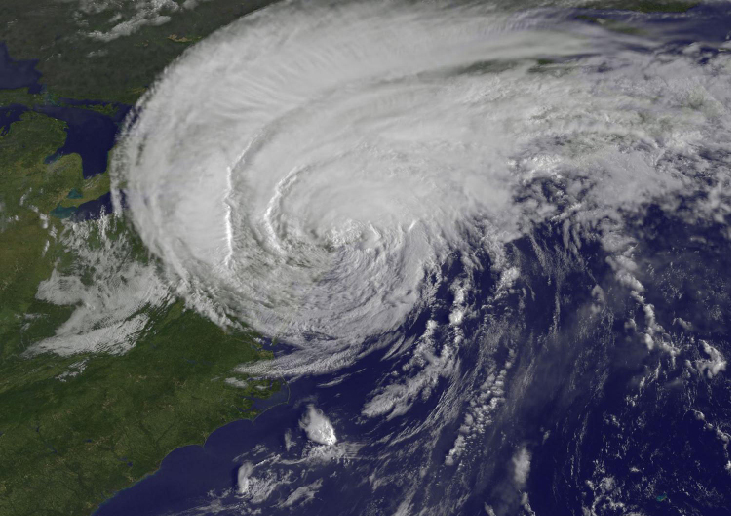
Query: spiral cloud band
x=307, y=169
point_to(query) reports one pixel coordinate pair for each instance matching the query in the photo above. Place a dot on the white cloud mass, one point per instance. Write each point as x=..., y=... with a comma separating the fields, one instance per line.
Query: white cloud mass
x=317, y=426
x=307, y=168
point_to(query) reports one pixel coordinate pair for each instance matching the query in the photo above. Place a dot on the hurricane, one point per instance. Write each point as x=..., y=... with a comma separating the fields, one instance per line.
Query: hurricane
x=468, y=229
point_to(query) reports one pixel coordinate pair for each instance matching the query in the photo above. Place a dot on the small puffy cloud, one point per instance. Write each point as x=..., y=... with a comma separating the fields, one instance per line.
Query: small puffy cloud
x=245, y=471
x=317, y=426
x=714, y=364
x=521, y=465
x=236, y=382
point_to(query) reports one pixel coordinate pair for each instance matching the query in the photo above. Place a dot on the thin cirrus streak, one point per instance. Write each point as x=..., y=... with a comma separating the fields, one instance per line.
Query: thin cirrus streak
x=307, y=169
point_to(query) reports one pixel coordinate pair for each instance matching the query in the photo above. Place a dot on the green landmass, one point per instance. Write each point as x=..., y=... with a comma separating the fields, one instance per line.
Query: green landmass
x=75, y=65
x=29, y=190
x=20, y=96
x=74, y=430
x=74, y=441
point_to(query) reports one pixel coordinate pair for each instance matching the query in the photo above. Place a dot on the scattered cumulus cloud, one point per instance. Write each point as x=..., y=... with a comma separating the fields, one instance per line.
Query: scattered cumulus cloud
x=521, y=466
x=318, y=427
